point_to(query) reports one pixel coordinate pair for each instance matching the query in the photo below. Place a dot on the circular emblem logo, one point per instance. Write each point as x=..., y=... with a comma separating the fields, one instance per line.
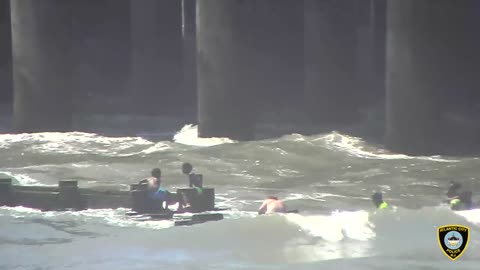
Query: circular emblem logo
x=453, y=240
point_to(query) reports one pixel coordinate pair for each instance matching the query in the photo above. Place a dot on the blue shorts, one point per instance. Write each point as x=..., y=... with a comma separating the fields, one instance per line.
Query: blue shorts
x=160, y=194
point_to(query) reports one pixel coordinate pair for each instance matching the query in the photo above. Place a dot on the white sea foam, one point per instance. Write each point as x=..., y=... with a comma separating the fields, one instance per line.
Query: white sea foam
x=356, y=147
x=22, y=179
x=188, y=135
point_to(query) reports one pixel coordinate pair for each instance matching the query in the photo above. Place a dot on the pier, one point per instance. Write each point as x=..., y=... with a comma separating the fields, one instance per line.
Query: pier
x=233, y=61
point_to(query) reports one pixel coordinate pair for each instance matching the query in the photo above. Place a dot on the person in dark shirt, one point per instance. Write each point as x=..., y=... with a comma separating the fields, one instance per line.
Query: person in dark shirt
x=377, y=199
x=457, y=199
x=194, y=180
x=453, y=191
x=462, y=202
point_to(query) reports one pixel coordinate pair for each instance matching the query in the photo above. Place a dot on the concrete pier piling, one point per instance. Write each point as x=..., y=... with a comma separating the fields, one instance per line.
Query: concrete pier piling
x=42, y=64
x=281, y=33
x=365, y=53
x=379, y=47
x=102, y=47
x=238, y=60
x=189, y=57
x=228, y=68
x=156, y=55
x=331, y=93
x=431, y=59
x=6, y=91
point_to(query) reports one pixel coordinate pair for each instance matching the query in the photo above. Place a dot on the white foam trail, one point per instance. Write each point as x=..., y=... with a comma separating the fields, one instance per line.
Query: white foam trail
x=158, y=147
x=288, y=173
x=188, y=135
x=336, y=227
x=22, y=179
x=74, y=143
x=111, y=217
x=355, y=146
x=316, y=196
x=472, y=216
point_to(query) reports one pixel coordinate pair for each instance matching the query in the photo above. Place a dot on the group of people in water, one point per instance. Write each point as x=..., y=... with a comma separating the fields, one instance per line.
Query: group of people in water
x=161, y=195
x=457, y=198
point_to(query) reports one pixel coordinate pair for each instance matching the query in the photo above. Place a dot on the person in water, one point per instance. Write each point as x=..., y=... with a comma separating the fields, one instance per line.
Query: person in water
x=377, y=199
x=453, y=191
x=462, y=201
x=272, y=205
x=458, y=200
x=154, y=189
x=153, y=182
x=194, y=181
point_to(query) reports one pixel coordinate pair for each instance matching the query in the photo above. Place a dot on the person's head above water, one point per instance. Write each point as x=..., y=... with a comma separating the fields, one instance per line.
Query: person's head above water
x=157, y=173
x=272, y=198
x=377, y=198
x=455, y=185
x=187, y=168
x=454, y=188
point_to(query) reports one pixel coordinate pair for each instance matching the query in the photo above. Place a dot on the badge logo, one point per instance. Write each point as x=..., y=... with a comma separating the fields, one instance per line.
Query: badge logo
x=453, y=240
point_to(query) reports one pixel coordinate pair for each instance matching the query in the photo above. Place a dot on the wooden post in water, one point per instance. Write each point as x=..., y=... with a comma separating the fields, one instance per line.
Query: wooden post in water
x=141, y=202
x=199, y=199
x=134, y=187
x=6, y=192
x=69, y=196
x=207, y=199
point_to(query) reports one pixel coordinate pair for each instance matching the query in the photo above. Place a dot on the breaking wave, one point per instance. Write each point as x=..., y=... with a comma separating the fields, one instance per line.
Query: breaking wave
x=189, y=135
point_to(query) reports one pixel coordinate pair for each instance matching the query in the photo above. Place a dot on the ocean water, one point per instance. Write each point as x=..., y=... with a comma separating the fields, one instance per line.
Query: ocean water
x=328, y=177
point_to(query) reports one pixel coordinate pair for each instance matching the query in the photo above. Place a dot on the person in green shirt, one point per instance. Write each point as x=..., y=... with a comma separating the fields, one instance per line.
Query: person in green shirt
x=462, y=202
x=377, y=199
x=457, y=199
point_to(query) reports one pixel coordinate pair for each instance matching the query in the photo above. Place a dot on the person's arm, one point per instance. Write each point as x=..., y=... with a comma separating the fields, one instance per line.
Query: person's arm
x=263, y=208
x=447, y=200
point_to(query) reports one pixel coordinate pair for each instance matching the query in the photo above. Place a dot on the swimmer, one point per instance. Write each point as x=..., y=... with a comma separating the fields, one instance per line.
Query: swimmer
x=377, y=199
x=453, y=191
x=272, y=205
x=462, y=202
x=156, y=192
x=154, y=181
